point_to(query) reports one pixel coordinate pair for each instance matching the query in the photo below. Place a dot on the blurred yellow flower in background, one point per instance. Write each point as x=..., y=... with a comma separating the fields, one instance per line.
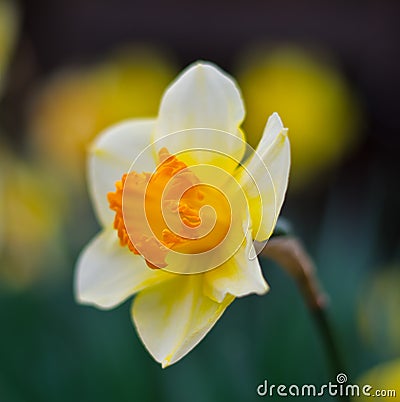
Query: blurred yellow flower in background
x=9, y=23
x=30, y=221
x=76, y=104
x=310, y=96
x=378, y=311
x=384, y=378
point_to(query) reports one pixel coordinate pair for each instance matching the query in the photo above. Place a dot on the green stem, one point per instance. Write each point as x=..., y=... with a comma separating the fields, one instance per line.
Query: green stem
x=321, y=319
x=289, y=253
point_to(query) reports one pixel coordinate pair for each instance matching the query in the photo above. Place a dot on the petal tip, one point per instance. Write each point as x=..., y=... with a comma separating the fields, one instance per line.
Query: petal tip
x=88, y=300
x=203, y=64
x=207, y=67
x=265, y=290
x=165, y=363
x=275, y=116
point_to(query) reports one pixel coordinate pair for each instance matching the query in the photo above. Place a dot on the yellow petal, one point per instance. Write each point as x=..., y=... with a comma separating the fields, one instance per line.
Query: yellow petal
x=266, y=178
x=239, y=276
x=111, y=155
x=173, y=317
x=107, y=274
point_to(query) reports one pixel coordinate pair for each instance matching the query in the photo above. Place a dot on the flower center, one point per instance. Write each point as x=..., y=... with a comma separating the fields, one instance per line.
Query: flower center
x=168, y=210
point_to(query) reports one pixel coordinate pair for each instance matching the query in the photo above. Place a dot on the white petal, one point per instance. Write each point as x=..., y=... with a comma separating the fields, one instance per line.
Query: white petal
x=202, y=110
x=107, y=273
x=203, y=97
x=273, y=154
x=274, y=149
x=272, y=129
x=239, y=276
x=111, y=155
x=173, y=317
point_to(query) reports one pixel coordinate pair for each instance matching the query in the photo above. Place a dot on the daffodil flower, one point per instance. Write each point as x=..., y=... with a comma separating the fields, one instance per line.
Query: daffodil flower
x=181, y=199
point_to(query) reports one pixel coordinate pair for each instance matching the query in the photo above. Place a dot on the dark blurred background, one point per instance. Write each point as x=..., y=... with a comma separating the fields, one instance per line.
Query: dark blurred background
x=331, y=69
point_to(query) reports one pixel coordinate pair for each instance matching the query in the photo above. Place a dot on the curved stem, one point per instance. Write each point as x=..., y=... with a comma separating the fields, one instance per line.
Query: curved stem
x=289, y=253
